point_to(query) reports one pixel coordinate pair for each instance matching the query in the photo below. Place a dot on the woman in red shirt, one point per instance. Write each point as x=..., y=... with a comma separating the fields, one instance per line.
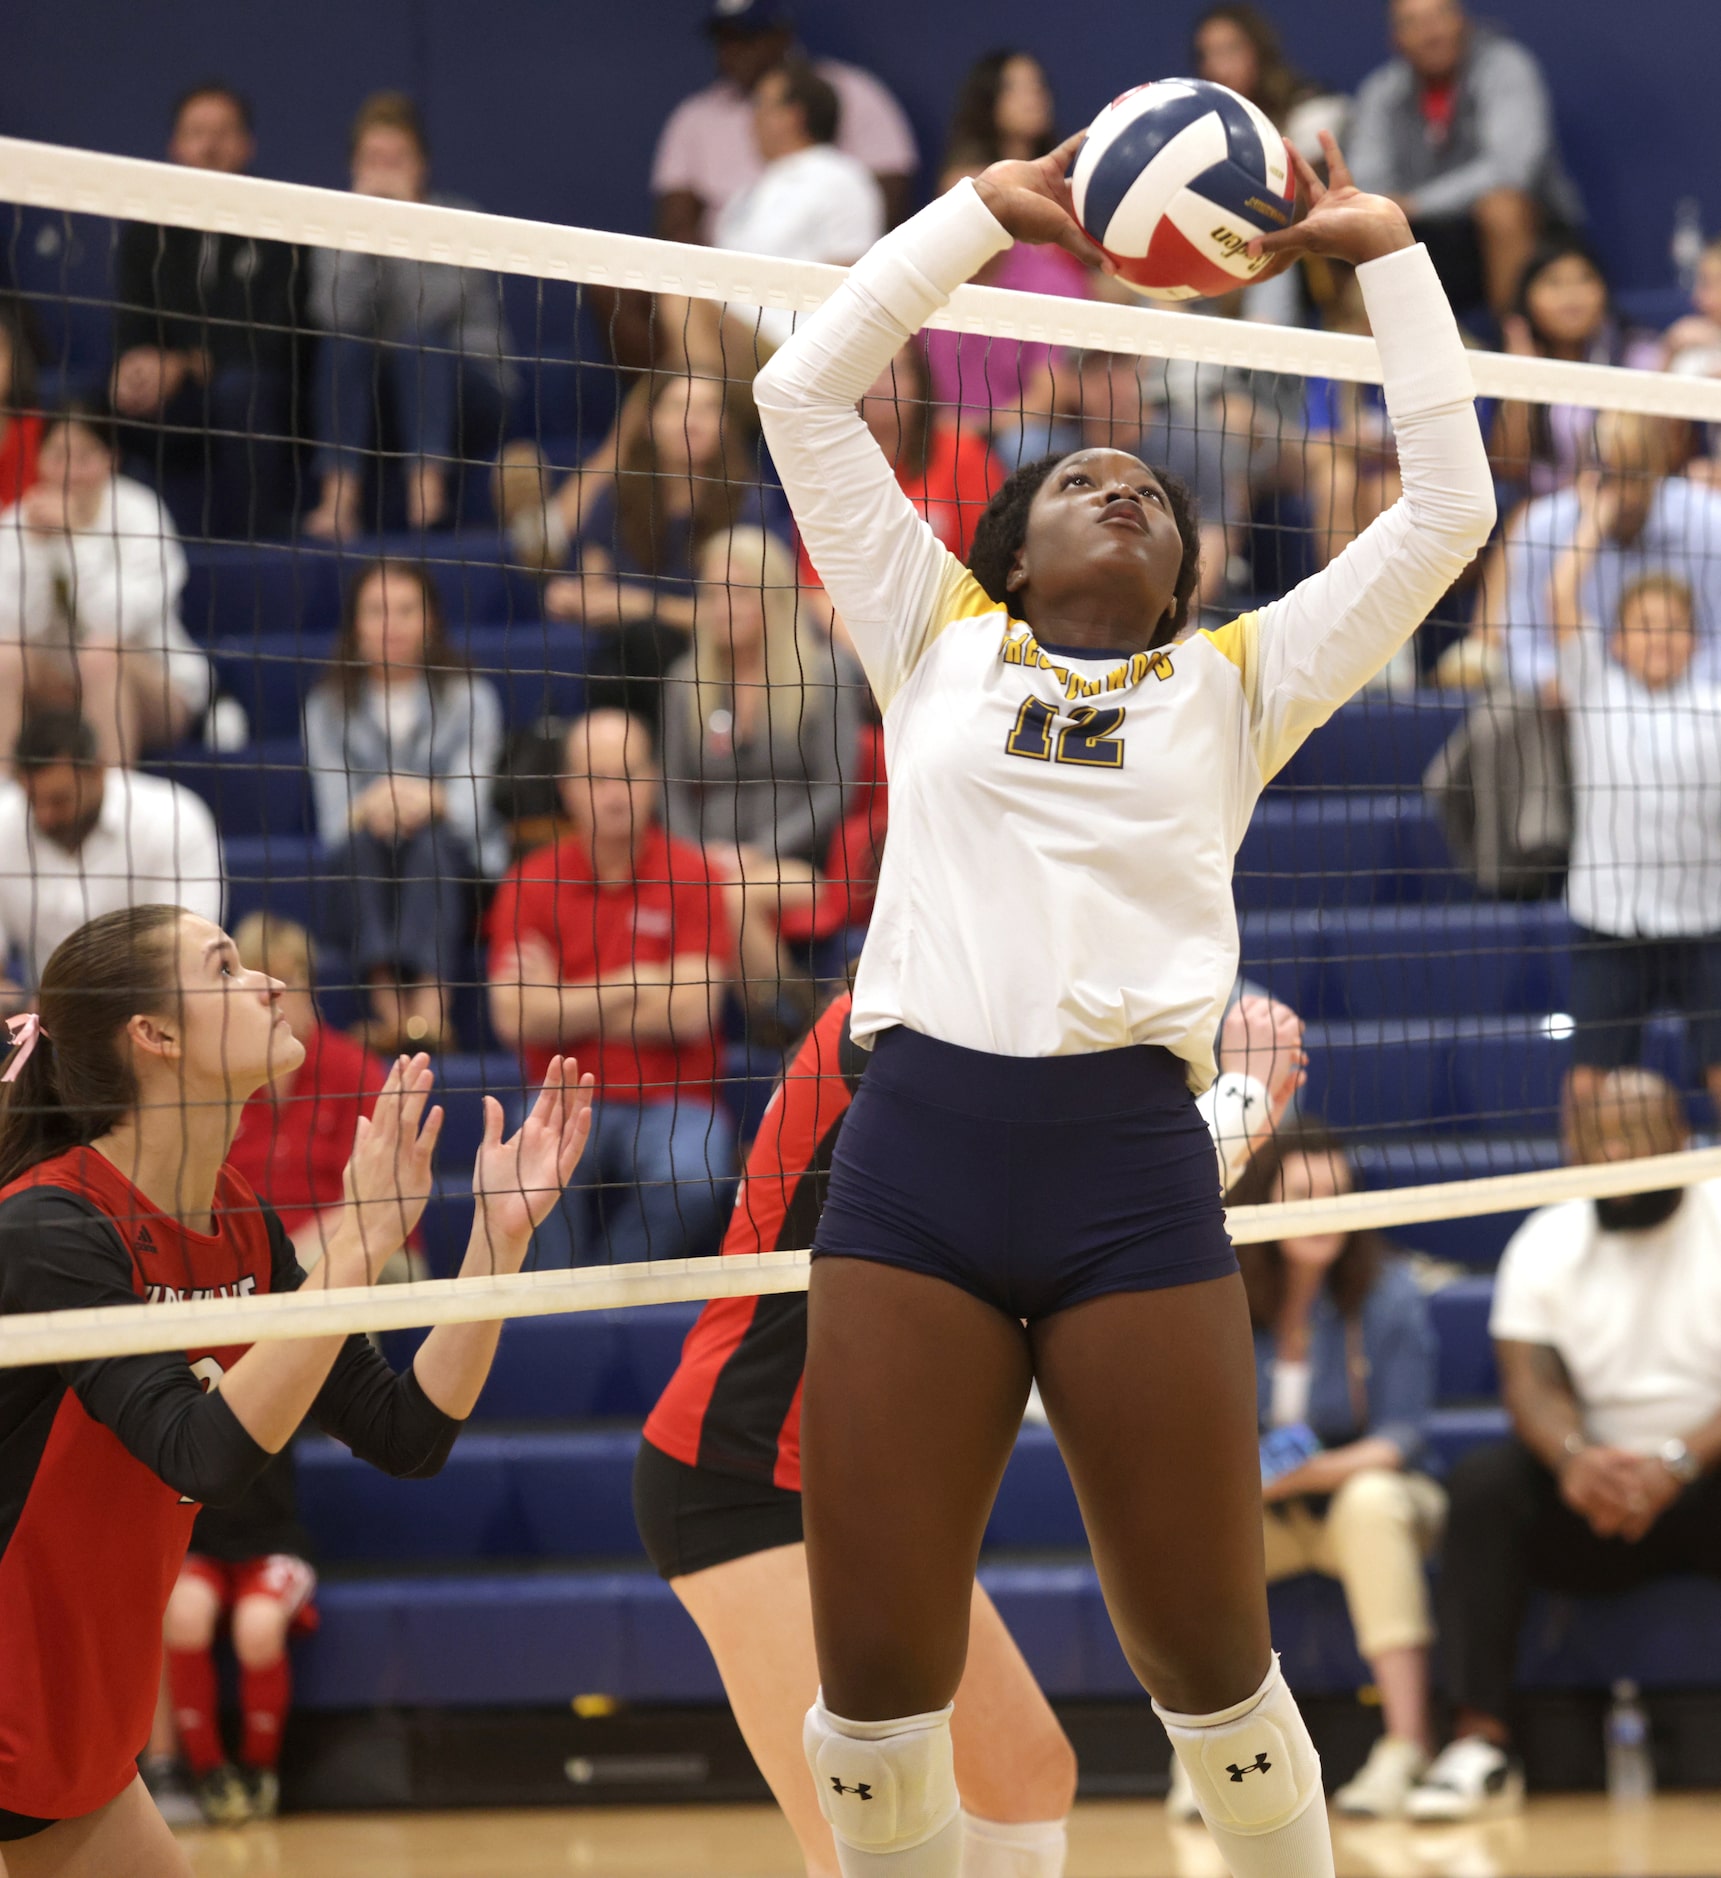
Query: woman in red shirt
x=124, y=1095
x=20, y=422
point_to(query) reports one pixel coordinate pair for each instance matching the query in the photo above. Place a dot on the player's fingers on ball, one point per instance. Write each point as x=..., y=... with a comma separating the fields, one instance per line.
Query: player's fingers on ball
x=1310, y=176
x=1293, y=240
x=1067, y=151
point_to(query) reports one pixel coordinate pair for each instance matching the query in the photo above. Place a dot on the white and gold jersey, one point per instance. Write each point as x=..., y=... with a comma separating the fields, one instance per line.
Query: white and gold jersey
x=1062, y=824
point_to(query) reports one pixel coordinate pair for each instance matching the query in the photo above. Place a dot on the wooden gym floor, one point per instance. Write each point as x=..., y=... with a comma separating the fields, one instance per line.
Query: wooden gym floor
x=1678, y=1836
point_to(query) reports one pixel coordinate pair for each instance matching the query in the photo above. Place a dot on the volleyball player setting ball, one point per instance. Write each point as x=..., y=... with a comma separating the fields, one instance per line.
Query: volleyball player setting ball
x=1023, y=1189
x=717, y=1480
x=124, y=1095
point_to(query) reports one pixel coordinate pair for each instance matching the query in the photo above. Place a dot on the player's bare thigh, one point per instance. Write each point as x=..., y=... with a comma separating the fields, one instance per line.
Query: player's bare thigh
x=127, y=1835
x=1013, y=1761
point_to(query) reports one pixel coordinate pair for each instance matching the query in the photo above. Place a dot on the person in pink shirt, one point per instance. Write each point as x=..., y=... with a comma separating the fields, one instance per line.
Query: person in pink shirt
x=706, y=154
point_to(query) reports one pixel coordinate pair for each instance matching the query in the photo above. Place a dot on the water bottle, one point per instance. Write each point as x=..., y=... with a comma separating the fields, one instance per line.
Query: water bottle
x=1686, y=247
x=1630, y=1769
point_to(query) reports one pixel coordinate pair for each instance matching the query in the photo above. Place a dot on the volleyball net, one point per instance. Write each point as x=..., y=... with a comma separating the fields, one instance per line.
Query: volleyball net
x=360, y=530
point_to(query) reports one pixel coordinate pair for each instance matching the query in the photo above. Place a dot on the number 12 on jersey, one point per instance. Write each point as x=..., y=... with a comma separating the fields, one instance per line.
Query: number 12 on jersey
x=1089, y=740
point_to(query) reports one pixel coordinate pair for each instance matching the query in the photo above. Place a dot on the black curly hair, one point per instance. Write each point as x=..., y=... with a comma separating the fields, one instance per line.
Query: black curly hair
x=1002, y=529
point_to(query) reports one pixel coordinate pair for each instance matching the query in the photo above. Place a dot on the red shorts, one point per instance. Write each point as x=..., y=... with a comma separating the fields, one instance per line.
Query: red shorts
x=289, y=1581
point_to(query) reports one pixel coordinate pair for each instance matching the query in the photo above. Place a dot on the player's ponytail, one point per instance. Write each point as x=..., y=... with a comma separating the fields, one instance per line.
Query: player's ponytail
x=76, y=1083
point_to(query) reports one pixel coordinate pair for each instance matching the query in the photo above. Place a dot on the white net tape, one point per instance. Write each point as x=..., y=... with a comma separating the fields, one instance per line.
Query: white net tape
x=74, y=1336
x=85, y=182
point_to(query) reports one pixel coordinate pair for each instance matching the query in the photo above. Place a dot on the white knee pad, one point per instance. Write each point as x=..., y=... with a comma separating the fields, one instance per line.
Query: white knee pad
x=884, y=1786
x=992, y=1849
x=1253, y=1767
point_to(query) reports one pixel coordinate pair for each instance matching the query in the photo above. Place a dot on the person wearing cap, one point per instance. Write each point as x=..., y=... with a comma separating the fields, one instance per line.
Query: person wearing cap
x=707, y=153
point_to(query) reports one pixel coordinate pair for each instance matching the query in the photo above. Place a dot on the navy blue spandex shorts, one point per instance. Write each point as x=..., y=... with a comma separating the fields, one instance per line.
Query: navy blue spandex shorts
x=1033, y=1182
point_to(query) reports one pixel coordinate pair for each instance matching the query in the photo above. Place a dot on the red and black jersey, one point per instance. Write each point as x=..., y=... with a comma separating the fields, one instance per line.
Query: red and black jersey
x=734, y=1404
x=103, y=1463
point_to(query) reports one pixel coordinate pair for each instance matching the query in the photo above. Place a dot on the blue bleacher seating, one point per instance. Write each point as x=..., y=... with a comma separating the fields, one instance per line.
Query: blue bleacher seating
x=1374, y=744
x=1324, y=850
x=60, y=266
x=262, y=790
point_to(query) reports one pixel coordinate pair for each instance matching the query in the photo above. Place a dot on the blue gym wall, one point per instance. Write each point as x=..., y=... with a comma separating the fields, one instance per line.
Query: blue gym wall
x=548, y=108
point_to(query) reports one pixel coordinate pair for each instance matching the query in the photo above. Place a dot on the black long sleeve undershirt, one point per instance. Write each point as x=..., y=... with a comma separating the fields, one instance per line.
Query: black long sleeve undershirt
x=58, y=1252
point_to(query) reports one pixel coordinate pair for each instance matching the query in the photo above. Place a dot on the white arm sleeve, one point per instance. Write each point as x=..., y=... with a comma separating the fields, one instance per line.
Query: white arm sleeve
x=884, y=569
x=1304, y=655
x=1233, y=1108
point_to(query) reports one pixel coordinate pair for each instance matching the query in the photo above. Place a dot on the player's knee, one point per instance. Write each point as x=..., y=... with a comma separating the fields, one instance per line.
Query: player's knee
x=259, y=1632
x=1253, y=1767
x=883, y=1786
x=191, y=1616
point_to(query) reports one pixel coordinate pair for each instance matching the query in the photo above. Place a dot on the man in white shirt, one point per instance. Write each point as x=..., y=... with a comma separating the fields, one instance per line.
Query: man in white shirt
x=81, y=839
x=706, y=154
x=1607, y=1326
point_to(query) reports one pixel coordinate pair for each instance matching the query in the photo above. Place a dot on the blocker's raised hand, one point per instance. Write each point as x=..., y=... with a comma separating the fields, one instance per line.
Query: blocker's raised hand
x=388, y=1177
x=518, y=1180
x=1343, y=223
x=1033, y=202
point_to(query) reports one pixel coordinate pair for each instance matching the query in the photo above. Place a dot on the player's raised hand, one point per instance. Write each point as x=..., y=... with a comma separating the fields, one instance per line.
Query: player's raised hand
x=1032, y=200
x=1342, y=222
x=518, y=1180
x=387, y=1180
x=1263, y=1038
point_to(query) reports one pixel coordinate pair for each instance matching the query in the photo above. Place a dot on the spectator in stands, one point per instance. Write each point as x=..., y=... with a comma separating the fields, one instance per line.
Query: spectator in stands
x=1236, y=44
x=1644, y=885
x=402, y=741
x=91, y=573
x=1459, y=129
x=761, y=734
x=1563, y=309
x=296, y=1133
x=82, y=839
x=204, y=338
x=249, y=1564
x=1345, y=1354
x=20, y=421
x=810, y=200
x=617, y=935
x=707, y=154
x=1607, y=1326
x=1654, y=521
x=425, y=340
x=684, y=466
x=1003, y=110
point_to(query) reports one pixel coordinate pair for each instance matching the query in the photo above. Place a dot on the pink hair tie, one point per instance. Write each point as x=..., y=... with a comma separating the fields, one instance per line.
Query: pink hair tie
x=21, y=1034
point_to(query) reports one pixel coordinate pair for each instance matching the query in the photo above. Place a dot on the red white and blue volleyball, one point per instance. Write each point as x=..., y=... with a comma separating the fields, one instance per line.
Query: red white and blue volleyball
x=1176, y=178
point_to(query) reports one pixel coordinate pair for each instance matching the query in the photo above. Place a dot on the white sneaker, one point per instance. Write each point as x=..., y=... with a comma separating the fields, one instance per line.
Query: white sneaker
x=1383, y=1783
x=1471, y=1779
x=1180, y=1806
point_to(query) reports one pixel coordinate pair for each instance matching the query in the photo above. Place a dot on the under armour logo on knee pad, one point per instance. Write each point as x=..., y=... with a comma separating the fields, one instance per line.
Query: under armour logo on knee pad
x=861, y=1791
x=1259, y=1765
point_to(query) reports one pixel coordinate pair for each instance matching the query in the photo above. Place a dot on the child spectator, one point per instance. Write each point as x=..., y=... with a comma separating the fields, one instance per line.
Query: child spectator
x=1345, y=1352
x=617, y=935
x=1692, y=346
x=91, y=573
x=1563, y=310
x=248, y=1566
x=424, y=338
x=402, y=742
x=296, y=1133
x=761, y=727
x=1644, y=886
x=685, y=466
x=20, y=421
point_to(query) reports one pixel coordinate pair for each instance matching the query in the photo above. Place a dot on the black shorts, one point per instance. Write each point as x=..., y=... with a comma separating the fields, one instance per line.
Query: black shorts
x=690, y=1518
x=1034, y=1183
x=15, y=1826
x=1616, y=983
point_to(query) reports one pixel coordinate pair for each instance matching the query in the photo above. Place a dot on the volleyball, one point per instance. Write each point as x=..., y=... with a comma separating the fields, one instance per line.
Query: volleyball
x=1176, y=178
